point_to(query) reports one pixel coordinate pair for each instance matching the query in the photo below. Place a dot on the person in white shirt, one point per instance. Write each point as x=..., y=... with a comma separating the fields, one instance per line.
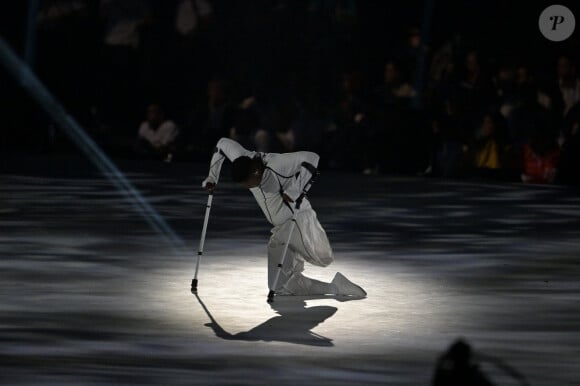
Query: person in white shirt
x=156, y=134
x=276, y=181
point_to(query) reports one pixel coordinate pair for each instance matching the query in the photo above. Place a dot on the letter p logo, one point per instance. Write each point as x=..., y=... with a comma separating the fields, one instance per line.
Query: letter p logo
x=557, y=23
x=557, y=20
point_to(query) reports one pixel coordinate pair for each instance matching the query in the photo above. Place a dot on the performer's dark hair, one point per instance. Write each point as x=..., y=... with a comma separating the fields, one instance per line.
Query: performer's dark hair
x=242, y=167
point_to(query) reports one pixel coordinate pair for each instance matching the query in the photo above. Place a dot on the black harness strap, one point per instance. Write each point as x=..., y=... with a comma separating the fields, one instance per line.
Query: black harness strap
x=308, y=167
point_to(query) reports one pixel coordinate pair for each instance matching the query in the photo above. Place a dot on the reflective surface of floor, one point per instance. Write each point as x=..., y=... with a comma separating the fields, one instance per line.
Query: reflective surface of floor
x=89, y=293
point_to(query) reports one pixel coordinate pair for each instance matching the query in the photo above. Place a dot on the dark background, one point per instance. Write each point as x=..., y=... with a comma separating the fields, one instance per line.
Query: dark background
x=292, y=57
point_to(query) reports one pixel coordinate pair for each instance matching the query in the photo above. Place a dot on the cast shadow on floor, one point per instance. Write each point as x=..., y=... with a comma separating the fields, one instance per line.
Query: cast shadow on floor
x=293, y=324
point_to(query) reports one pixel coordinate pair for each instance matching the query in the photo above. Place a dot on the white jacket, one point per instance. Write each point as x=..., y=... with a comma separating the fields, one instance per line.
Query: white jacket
x=163, y=136
x=284, y=173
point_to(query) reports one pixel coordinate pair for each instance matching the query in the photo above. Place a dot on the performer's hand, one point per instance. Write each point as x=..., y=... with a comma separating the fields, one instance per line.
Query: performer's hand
x=286, y=198
x=208, y=184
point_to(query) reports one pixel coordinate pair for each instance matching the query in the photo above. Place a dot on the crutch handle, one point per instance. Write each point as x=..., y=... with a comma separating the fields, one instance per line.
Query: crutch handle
x=315, y=173
x=311, y=168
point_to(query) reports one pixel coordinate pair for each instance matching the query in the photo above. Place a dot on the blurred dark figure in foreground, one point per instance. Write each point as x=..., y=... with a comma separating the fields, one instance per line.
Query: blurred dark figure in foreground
x=456, y=368
x=156, y=134
x=459, y=367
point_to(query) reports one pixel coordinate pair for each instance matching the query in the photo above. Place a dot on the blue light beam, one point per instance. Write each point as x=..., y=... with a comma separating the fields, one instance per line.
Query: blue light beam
x=34, y=87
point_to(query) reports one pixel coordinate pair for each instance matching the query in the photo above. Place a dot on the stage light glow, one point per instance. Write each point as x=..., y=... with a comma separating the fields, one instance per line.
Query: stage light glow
x=36, y=89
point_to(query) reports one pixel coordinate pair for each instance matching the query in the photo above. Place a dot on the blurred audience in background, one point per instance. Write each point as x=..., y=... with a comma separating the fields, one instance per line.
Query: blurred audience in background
x=569, y=171
x=347, y=130
x=396, y=123
x=207, y=121
x=291, y=75
x=248, y=128
x=568, y=83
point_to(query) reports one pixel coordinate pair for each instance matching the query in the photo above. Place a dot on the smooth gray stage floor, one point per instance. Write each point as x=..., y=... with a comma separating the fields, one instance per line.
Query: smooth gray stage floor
x=89, y=293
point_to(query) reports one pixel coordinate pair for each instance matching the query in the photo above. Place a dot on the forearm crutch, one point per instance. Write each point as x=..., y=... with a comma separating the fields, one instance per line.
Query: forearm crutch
x=314, y=172
x=281, y=263
x=202, y=241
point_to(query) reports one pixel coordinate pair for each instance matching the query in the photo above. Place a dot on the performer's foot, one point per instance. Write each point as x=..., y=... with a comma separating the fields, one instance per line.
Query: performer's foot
x=347, y=288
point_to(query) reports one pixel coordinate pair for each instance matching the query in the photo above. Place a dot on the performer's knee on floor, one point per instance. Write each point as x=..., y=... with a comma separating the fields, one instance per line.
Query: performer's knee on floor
x=322, y=261
x=328, y=261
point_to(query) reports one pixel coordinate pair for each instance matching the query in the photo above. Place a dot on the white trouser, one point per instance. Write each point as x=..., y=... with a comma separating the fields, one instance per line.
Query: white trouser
x=308, y=243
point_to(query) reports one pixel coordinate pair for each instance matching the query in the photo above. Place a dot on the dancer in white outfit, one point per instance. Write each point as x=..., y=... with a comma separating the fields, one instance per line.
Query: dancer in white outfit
x=276, y=181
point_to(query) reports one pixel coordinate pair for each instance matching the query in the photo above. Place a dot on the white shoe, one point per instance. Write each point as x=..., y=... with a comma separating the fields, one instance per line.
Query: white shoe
x=346, y=287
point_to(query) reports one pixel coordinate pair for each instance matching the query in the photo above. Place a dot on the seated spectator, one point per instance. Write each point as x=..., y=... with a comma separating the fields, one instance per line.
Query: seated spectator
x=394, y=85
x=410, y=52
x=532, y=108
x=156, y=134
x=541, y=158
x=283, y=119
x=122, y=24
x=475, y=89
x=486, y=148
x=570, y=161
x=506, y=89
x=393, y=126
x=247, y=127
x=450, y=136
x=348, y=126
x=209, y=121
x=517, y=93
x=568, y=83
